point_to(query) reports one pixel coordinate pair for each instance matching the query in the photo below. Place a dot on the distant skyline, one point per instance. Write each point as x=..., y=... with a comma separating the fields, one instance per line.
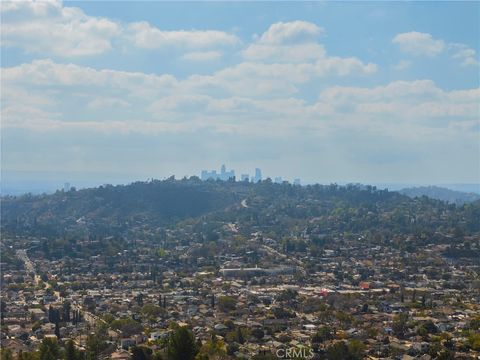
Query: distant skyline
x=368, y=92
x=45, y=184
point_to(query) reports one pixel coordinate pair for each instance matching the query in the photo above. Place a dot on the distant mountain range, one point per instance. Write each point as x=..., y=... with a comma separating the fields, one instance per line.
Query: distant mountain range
x=440, y=193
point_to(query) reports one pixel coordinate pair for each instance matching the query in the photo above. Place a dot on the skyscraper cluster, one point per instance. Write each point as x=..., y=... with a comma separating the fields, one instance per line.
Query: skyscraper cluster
x=213, y=175
x=230, y=174
x=227, y=175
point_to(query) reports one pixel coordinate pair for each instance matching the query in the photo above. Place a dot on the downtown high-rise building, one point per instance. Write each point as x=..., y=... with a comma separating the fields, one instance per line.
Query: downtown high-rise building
x=258, y=175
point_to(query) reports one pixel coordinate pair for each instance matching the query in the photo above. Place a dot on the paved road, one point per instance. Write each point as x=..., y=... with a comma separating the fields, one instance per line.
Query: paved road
x=278, y=254
x=30, y=269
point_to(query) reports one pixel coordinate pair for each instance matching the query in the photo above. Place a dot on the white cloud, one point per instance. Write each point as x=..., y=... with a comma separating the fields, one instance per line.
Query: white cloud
x=20, y=116
x=147, y=36
x=394, y=90
x=418, y=43
x=294, y=32
x=107, y=102
x=294, y=41
x=273, y=80
x=402, y=65
x=465, y=95
x=417, y=101
x=291, y=50
x=50, y=75
x=284, y=53
x=185, y=104
x=202, y=56
x=232, y=109
x=48, y=27
x=343, y=67
x=249, y=98
x=465, y=54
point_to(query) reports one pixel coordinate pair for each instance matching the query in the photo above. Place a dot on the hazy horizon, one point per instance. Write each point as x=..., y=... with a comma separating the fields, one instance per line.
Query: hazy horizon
x=49, y=183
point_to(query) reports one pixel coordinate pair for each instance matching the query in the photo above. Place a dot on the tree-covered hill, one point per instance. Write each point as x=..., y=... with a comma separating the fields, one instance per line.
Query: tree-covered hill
x=440, y=193
x=111, y=208
x=324, y=211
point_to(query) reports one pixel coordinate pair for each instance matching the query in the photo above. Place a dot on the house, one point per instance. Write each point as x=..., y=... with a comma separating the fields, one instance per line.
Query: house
x=37, y=314
x=120, y=355
x=155, y=335
x=364, y=285
x=15, y=345
x=126, y=343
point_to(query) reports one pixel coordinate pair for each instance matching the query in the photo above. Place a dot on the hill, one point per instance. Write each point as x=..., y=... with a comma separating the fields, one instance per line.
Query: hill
x=108, y=209
x=146, y=209
x=440, y=193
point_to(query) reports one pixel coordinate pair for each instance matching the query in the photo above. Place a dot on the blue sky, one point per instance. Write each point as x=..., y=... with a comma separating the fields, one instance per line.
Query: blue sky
x=325, y=91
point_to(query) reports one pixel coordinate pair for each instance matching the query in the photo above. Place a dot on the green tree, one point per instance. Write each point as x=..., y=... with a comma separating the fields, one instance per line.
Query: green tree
x=127, y=326
x=356, y=349
x=33, y=355
x=474, y=341
x=157, y=356
x=95, y=344
x=6, y=354
x=323, y=334
x=49, y=349
x=152, y=310
x=57, y=330
x=66, y=308
x=141, y=353
x=258, y=333
x=232, y=348
x=338, y=351
x=70, y=352
x=446, y=355
x=240, y=337
x=226, y=303
x=265, y=356
x=213, y=349
x=399, y=325
x=181, y=345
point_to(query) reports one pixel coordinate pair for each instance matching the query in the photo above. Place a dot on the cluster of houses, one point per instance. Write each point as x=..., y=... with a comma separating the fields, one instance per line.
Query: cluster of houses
x=254, y=298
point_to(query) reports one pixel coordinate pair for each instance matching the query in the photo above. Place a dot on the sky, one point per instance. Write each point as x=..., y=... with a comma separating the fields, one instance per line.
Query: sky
x=115, y=91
